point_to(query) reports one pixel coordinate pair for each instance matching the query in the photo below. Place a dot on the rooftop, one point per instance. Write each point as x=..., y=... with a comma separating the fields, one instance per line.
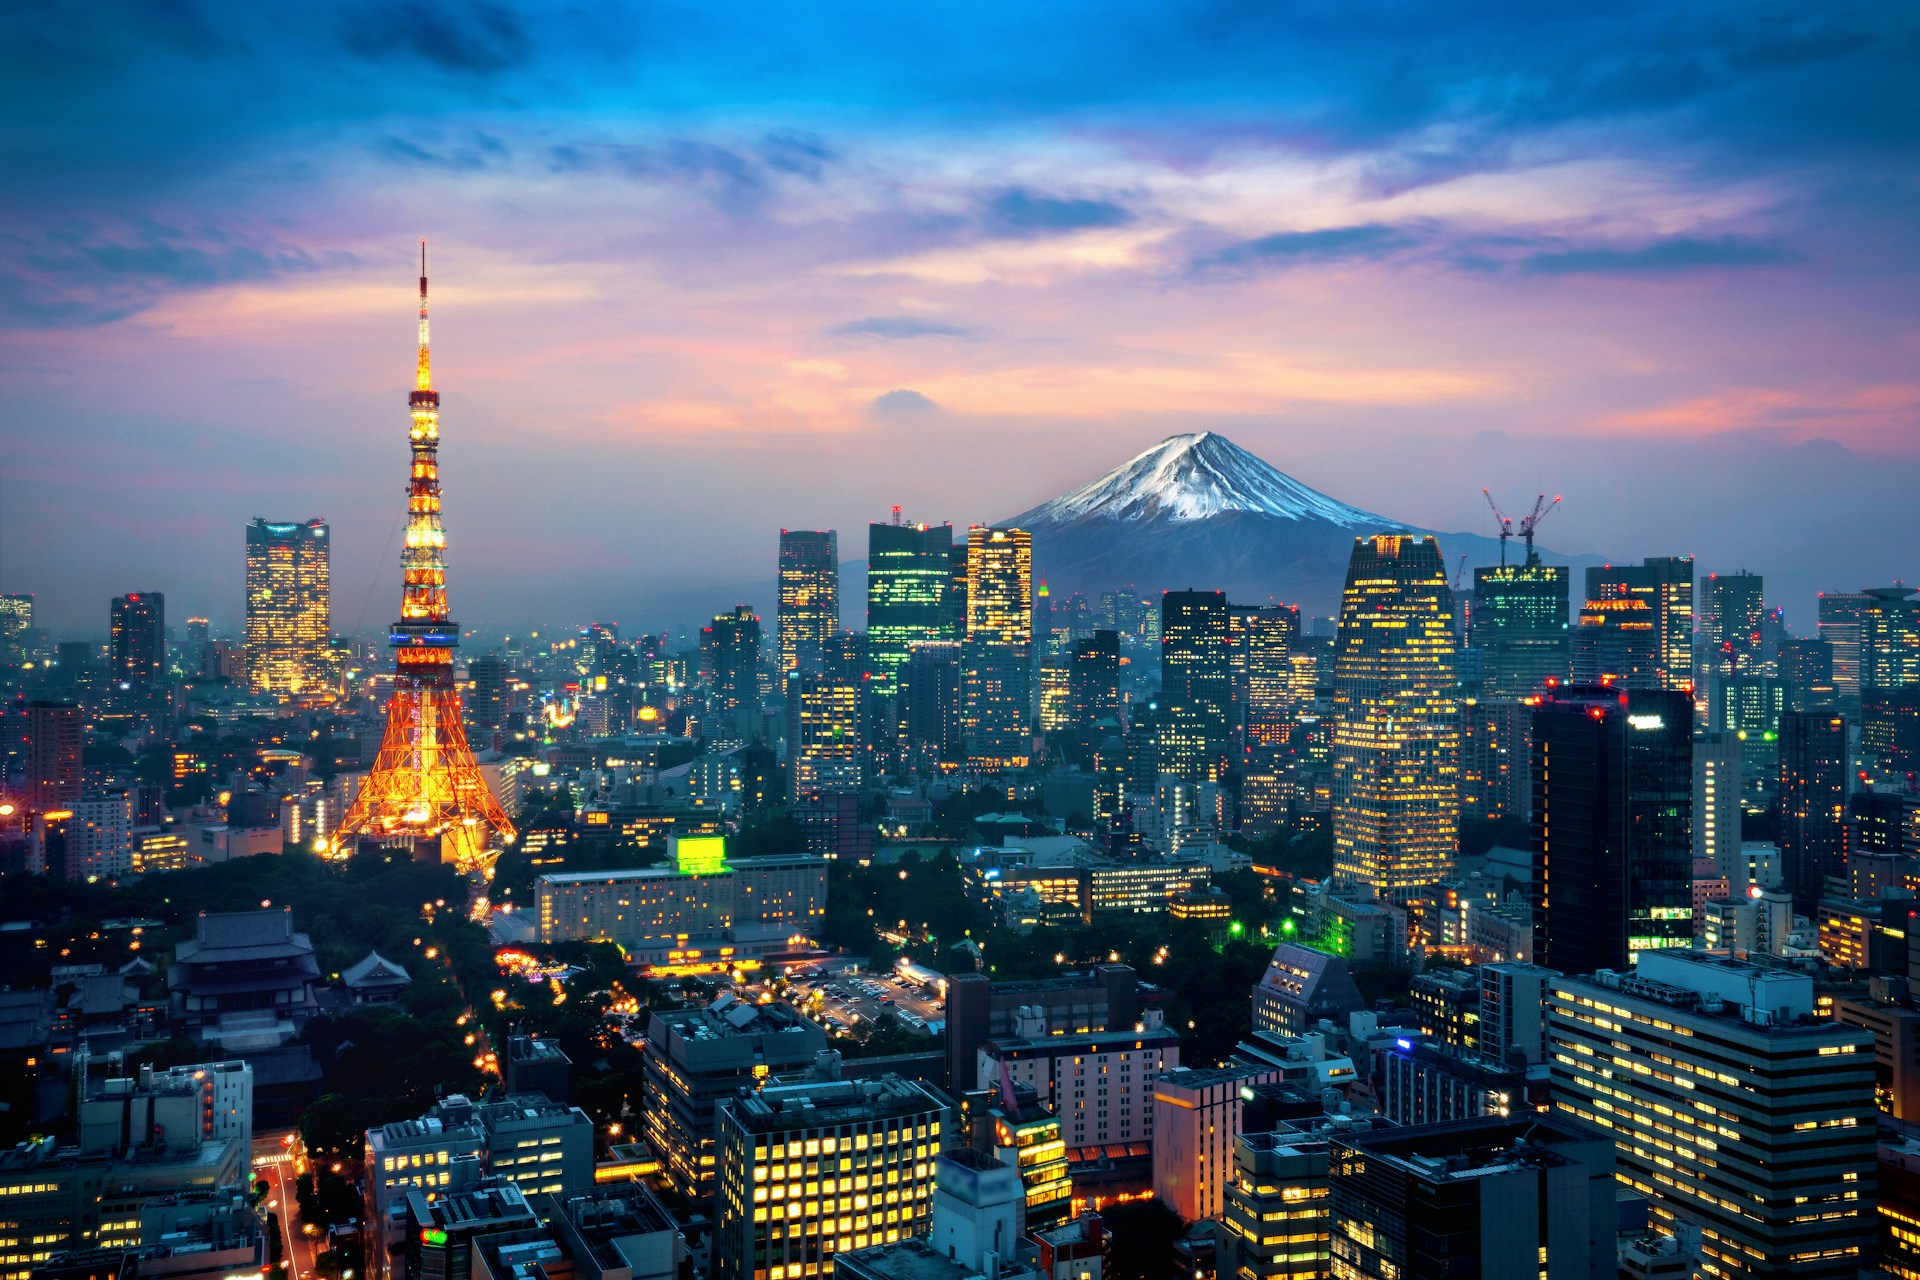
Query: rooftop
x=818, y=1103
x=917, y=1260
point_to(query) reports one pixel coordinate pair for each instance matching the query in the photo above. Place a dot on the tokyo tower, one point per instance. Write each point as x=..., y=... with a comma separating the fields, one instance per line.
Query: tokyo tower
x=425, y=788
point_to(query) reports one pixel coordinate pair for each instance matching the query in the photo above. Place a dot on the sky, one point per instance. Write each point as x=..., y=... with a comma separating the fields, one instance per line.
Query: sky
x=704, y=271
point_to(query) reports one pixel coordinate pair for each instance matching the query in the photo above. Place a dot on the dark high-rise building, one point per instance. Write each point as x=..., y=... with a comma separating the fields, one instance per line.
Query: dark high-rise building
x=1196, y=677
x=489, y=691
x=1890, y=728
x=1731, y=622
x=930, y=700
x=809, y=606
x=1396, y=735
x=1264, y=689
x=1494, y=756
x=997, y=654
x=1612, y=839
x=55, y=731
x=730, y=652
x=1665, y=585
x=1840, y=627
x=137, y=653
x=1889, y=638
x=1093, y=679
x=289, y=611
x=1877, y=825
x=1491, y=1196
x=1520, y=627
x=909, y=574
x=1617, y=642
x=1812, y=798
x=1805, y=668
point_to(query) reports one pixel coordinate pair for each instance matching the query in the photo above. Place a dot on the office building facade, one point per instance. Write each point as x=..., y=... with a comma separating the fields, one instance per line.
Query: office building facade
x=997, y=655
x=137, y=648
x=1732, y=1108
x=808, y=617
x=1196, y=680
x=1612, y=837
x=909, y=571
x=289, y=606
x=814, y=1168
x=1520, y=627
x=1396, y=736
x=1811, y=799
x=1664, y=584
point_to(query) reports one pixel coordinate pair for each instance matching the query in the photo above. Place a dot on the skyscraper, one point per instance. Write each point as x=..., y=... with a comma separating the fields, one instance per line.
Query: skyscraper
x=1730, y=626
x=1716, y=799
x=137, y=649
x=997, y=655
x=1617, y=642
x=1665, y=584
x=909, y=567
x=1812, y=793
x=1520, y=626
x=1267, y=702
x=1889, y=638
x=1396, y=735
x=1093, y=678
x=424, y=788
x=1196, y=678
x=289, y=619
x=55, y=732
x=16, y=619
x=1839, y=623
x=809, y=607
x=730, y=657
x=823, y=739
x=1805, y=668
x=1612, y=840
x=931, y=701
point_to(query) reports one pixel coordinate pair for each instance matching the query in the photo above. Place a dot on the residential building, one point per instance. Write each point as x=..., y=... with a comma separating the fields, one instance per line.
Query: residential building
x=1107, y=997
x=1100, y=1084
x=55, y=734
x=1301, y=986
x=1196, y=1117
x=137, y=648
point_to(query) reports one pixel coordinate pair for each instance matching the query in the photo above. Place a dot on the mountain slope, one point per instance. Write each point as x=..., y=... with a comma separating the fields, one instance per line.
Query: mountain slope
x=1199, y=511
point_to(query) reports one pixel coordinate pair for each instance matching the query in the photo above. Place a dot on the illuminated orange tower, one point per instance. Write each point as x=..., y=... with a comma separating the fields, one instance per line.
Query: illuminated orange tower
x=425, y=786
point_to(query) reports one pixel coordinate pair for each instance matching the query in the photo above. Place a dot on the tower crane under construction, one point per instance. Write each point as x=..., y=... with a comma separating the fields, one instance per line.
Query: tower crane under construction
x=1541, y=510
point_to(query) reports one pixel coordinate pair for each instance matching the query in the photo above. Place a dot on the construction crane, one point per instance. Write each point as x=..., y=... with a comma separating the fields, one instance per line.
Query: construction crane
x=1458, y=569
x=1541, y=510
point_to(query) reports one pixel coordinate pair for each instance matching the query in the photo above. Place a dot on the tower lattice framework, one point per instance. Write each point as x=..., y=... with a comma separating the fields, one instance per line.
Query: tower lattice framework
x=425, y=785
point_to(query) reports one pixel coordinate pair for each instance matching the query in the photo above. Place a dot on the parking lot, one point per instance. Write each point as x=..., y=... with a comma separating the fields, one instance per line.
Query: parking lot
x=849, y=1000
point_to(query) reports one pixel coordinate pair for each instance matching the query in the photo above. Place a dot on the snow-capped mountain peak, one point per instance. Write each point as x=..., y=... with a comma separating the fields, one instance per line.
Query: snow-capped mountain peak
x=1193, y=477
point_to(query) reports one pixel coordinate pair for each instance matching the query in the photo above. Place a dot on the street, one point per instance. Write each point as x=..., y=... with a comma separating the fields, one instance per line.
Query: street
x=273, y=1161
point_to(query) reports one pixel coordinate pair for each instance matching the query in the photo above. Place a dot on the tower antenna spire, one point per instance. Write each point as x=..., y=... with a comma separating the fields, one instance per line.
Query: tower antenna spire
x=423, y=380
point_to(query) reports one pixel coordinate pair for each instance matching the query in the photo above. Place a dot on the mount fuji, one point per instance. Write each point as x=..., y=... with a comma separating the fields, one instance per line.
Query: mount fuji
x=1199, y=511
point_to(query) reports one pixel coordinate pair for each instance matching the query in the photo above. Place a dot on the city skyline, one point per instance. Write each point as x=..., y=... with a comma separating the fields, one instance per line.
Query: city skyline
x=1655, y=263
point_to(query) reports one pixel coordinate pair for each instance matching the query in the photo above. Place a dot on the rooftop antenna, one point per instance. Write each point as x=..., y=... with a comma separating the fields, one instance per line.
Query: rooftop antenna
x=896, y=515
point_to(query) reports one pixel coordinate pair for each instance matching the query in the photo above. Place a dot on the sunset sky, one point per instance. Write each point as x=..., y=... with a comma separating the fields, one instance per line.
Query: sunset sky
x=704, y=270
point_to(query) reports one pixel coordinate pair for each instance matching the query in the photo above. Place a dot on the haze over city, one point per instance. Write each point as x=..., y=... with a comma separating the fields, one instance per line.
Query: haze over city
x=701, y=273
